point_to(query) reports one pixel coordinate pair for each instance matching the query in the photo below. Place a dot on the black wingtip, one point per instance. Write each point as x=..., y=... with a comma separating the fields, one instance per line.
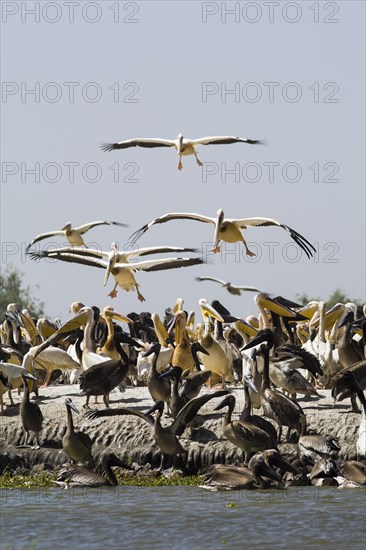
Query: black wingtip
x=107, y=147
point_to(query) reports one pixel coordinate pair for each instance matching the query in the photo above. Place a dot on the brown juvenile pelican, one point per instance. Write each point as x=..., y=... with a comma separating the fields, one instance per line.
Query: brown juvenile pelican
x=102, y=378
x=30, y=413
x=247, y=416
x=183, y=146
x=77, y=445
x=73, y=234
x=166, y=437
x=229, y=229
x=315, y=446
x=235, y=290
x=354, y=471
x=276, y=406
x=80, y=476
x=158, y=387
x=248, y=437
x=225, y=477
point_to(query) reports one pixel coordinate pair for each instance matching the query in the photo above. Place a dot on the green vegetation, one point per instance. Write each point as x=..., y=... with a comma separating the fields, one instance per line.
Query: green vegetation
x=12, y=290
x=337, y=296
x=45, y=479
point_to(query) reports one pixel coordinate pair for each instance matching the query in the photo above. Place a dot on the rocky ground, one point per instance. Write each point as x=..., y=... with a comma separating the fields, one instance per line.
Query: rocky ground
x=130, y=437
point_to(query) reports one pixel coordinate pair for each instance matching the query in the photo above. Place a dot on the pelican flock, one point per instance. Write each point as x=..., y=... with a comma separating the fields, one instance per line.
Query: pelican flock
x=265, y=369
x=260, y=364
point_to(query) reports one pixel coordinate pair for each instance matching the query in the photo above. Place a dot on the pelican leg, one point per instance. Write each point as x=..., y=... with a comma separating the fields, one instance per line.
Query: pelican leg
x=160, y=469
x=38, y=445
x=96, y=400
x=139, y=295
x=1, y=405
x=86, y=406
x=106, y=400
x=113, y=293
x=279, y=433
x=198, y=160
x=10, y=395
x=180, y=165
x=216, y=248
x=47, y=379
x=247, y=251
x=355, y=407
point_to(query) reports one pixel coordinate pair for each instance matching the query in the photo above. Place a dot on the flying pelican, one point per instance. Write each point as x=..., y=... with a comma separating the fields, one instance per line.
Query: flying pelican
x=122, y=272
x=229, y=229
x=73, y=234
x=184, y=146
x=236, y=290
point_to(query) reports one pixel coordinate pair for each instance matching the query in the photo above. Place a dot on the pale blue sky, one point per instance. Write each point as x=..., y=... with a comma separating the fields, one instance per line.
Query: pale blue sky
x=169, y=53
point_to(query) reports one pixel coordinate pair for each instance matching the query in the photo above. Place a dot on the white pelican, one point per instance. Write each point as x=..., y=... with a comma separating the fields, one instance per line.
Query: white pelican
x=73, y=234
x=229, y=229
x=122, y=272
x=184, y=146
x=236, y=290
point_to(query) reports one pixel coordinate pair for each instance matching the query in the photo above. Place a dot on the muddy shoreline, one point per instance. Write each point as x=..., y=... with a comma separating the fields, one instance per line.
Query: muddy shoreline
x=130, y=438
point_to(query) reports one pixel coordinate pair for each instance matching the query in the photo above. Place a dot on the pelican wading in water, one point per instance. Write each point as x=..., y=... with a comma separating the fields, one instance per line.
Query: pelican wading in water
x=229, y=229
x=72, y=234
x=123, y=272
x=235, y=290
x=183, y=146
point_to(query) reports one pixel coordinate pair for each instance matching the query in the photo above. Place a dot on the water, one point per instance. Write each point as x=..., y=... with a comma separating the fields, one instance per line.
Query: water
x=182, y=517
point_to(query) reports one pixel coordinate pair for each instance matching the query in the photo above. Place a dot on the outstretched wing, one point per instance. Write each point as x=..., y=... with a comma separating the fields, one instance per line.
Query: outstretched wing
x=189, y=411
x=69, y=257
x=84, y=228
x=224, y=140
x=159, y=265
x=167, y=218
x=208, y=278
x=120, y=412
x=303, y=243
x=44, y=236
x=138, y=142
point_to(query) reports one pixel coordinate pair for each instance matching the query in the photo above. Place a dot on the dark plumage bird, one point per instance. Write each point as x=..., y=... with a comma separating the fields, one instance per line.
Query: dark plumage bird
x=102, y=378
x=77, y=445
x=30, y=413
x=276, y=406
x=166, y=437
x=248, y=437
x=247, y=416
x=80, y=476
x=158, y=387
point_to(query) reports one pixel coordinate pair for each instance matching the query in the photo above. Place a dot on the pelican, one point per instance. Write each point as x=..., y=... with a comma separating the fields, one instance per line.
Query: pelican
x=166, y=437
x=30, y=413
x=77, y=445
x=123, y=273
x=275, y=405
x=216, y=360
x=72, y=234
x=248, y=437
x=229, y=229
x=236, y=290
x=184, y=146
x=80, y=476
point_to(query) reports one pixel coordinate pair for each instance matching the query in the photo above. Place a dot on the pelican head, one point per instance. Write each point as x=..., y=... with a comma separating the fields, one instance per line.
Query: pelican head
x=180, y=143
x=209, y=311
x=67, y=227
x=112, y=258
x=70, y=405
x=219, y=222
